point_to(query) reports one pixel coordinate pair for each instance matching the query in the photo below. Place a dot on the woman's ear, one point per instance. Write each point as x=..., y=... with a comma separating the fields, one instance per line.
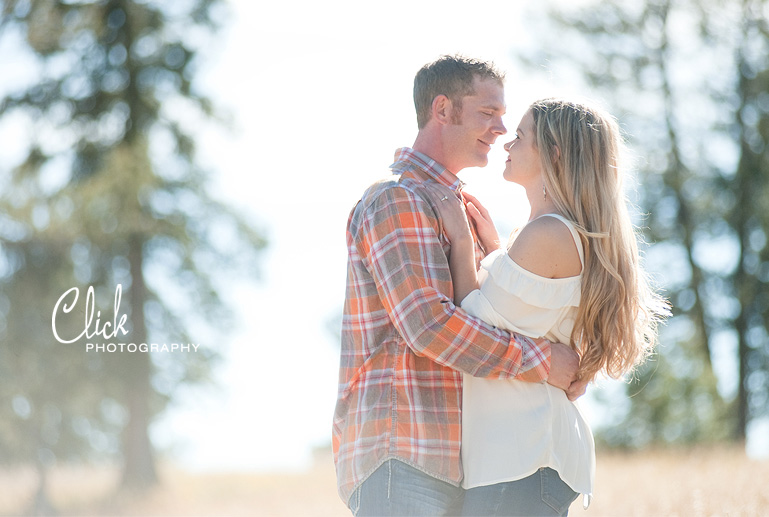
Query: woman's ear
x=556, y=153
x=442, y=109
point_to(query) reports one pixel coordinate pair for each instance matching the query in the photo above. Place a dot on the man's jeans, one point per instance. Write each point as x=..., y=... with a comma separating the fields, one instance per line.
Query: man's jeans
x=396, y=488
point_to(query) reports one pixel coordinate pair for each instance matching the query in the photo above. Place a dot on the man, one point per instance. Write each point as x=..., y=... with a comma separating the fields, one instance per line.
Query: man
x=397, y=422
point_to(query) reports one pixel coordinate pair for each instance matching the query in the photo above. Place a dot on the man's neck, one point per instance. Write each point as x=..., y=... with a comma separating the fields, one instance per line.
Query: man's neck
x=430, y=146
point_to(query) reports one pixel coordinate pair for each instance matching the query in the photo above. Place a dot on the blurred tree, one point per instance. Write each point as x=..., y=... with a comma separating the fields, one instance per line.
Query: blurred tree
x=689, y=81
x=101, y=106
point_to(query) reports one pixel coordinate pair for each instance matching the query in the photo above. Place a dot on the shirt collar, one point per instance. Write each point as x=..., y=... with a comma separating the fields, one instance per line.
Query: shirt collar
x=406, y=158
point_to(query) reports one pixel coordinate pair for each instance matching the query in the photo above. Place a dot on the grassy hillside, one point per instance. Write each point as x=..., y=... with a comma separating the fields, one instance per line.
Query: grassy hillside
x=701, y=482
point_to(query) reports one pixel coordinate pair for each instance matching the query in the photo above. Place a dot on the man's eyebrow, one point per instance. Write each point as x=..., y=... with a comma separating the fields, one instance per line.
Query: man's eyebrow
x=519, y=130
x=495, y=107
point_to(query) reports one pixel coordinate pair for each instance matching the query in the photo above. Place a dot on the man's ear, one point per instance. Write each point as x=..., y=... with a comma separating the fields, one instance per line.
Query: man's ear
x=442, y=109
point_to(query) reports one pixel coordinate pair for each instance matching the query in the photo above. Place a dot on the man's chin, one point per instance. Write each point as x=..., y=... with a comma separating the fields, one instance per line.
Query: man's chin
x=479, y=161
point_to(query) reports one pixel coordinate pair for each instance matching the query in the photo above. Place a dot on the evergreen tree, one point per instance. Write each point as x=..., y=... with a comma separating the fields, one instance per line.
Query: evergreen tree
x=108, y=193
x=688, y=81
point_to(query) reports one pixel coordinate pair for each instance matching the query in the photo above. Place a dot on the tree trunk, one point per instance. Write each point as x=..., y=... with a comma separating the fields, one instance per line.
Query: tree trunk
x=139, y=459
x=675, y=177
x=41, y=505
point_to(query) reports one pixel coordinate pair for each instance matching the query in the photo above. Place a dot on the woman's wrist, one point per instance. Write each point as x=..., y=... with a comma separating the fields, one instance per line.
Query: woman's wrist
x=462, y=264
x=461, y=239
x=463, y=245
x=492, y=245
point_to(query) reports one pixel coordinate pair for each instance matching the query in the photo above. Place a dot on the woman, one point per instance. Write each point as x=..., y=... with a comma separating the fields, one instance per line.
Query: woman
x=572, y=274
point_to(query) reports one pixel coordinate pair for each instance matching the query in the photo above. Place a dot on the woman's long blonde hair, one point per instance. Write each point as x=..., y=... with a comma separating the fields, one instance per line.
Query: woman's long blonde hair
x=580, y=148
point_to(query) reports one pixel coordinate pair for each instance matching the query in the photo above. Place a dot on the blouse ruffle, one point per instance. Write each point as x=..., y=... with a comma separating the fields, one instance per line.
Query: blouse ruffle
x=548, y=293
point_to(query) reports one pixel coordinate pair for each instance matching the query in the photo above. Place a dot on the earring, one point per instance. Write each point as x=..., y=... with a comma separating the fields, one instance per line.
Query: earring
x=544, y=192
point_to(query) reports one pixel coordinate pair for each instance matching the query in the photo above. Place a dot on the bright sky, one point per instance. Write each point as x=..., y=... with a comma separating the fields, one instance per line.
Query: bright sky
x=321, y=96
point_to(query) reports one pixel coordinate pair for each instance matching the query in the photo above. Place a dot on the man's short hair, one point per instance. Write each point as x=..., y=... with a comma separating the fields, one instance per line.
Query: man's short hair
x=451, y=76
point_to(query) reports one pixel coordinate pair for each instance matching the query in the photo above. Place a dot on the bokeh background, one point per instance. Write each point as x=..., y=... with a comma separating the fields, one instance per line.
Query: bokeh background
x=204, y=155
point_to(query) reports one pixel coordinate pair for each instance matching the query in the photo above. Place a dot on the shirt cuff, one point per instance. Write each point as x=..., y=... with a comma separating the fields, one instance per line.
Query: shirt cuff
x=535, y=363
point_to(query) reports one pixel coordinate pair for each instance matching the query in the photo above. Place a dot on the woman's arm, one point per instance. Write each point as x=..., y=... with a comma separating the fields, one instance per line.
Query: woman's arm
x=462, y=265
x=456, y=226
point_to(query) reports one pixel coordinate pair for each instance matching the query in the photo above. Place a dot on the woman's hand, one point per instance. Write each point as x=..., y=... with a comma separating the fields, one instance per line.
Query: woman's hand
x=451, y=211
x=484, y=226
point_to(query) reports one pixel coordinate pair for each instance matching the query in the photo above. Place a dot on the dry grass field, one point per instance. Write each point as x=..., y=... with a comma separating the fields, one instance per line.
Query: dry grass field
x=701, y=482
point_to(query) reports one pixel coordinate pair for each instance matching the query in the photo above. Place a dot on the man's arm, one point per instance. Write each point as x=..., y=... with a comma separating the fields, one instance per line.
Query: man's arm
x=564, y=362
x=400, y=242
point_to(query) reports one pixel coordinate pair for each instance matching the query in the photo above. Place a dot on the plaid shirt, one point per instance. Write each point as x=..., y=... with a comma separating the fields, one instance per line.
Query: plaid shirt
x=404, y=342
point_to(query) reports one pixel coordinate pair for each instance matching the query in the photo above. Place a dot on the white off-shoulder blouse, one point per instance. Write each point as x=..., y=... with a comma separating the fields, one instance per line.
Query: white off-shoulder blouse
x=511, y=428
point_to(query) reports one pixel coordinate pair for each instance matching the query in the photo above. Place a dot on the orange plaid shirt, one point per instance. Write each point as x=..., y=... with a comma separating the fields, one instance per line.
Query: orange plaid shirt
x=404, y=342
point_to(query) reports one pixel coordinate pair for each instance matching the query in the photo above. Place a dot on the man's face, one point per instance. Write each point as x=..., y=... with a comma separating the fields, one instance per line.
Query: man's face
x=468, y=142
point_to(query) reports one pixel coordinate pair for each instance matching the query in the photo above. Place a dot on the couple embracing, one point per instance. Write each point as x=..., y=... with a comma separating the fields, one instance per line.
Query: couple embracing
x=462, y=357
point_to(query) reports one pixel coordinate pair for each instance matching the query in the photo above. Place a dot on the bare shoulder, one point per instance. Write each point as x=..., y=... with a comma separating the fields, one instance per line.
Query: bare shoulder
x=545, y=247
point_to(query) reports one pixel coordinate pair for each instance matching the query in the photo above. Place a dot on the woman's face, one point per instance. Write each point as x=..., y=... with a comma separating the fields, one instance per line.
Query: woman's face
x=523, y=164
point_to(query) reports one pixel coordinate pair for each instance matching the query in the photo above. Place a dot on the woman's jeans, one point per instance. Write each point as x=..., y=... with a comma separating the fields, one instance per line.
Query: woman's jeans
x=396, y=488
x=542, y=493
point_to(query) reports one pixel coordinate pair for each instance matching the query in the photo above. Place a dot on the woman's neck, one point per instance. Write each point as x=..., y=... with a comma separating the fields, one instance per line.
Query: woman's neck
x=540, y=204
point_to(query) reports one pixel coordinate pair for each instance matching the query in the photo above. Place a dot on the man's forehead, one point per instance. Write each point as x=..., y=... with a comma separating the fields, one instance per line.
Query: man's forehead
x=488, y=93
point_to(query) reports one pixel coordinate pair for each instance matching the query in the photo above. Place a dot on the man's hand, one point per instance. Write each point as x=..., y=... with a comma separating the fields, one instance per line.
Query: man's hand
x=564, y=363
x=577, y=389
